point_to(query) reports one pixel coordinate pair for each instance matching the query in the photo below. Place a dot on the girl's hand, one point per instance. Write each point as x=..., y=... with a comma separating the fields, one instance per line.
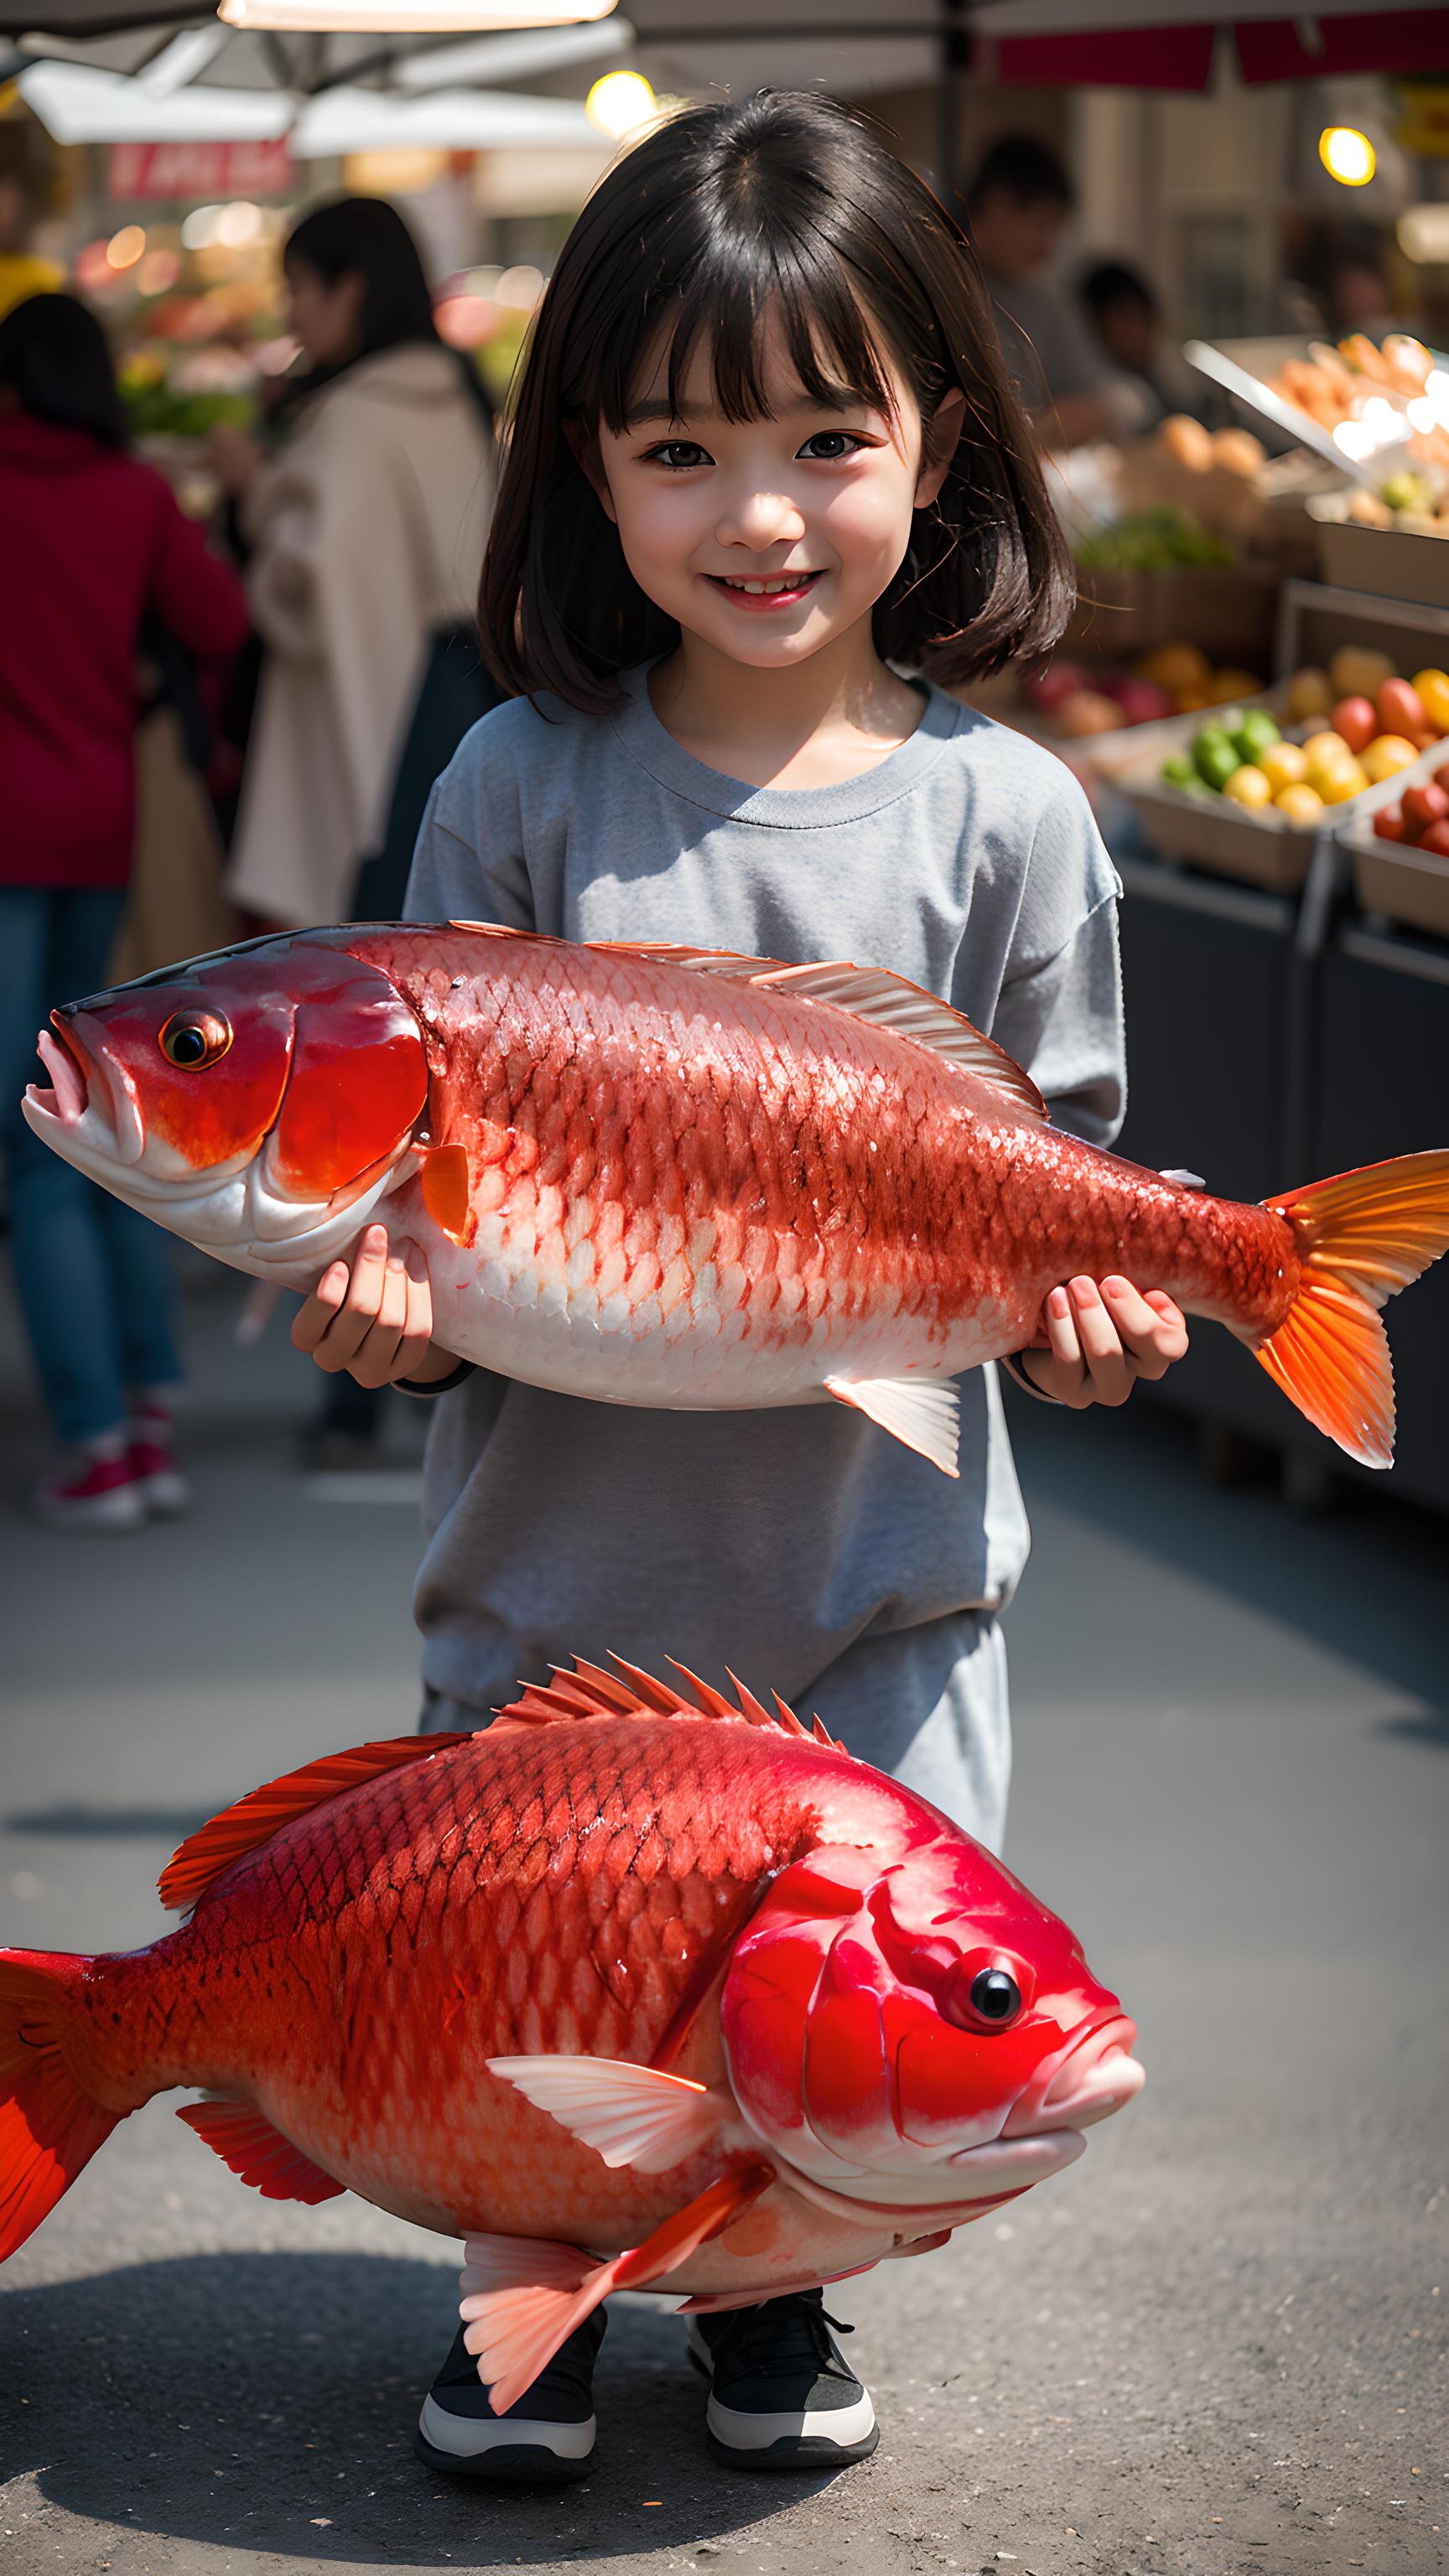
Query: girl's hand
x=374, y=1319
x=1100, y=1341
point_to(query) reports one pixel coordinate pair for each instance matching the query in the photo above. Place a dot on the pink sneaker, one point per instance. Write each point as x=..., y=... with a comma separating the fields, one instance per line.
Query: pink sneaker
x=164, y=1491
x=100, y=1494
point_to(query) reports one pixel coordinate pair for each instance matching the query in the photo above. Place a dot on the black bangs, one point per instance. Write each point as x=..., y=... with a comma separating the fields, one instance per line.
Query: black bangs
x=780, y=229
x=738, y=293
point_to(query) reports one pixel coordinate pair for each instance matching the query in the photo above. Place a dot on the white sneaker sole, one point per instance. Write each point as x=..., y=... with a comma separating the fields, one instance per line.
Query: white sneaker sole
x=100, y=1515
x=787, y=2439
x=521, y=2451
x=165, y=1496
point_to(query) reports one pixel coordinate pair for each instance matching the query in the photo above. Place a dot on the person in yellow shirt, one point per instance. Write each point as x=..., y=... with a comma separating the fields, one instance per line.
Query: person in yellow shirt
x=22, y=271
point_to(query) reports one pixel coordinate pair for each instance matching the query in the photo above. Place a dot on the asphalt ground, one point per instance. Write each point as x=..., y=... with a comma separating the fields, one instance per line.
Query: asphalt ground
x=1216, y=2345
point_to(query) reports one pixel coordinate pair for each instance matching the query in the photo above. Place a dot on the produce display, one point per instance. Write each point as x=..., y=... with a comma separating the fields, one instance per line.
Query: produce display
x=1392, y=398
x=1421, y=818
x=1356, y=724
x=1079, y=699
x=1159, y=540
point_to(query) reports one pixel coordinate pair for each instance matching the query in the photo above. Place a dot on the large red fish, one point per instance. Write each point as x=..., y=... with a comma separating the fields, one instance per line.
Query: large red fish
x=634, y=1987
x=660, y=1176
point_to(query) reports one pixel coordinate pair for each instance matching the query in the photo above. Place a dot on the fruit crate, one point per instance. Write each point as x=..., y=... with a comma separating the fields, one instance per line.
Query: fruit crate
x=1410, y=885
x=1315, y=617
x=1258, y=848
x=1409, y=565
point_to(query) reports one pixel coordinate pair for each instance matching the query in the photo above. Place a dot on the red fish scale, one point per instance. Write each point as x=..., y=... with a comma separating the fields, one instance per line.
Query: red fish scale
x=552, y=1888
x=665, y=1117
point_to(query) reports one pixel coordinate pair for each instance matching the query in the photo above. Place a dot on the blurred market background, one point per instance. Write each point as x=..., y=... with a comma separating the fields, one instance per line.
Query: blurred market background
x=1218, y=238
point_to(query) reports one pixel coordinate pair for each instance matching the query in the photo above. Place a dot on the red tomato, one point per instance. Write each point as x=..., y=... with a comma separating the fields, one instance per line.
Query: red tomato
x=1425, y=804
x=1389, y=823
x=1355, y=720
x=1437, y=840
x=1401, y=709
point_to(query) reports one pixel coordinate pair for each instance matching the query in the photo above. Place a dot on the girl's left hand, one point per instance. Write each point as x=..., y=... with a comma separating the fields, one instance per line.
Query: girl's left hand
x=1101, y=1340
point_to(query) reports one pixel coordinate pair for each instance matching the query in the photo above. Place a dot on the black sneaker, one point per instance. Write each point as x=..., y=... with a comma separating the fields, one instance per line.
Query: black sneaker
x=545, y=2440
x=782, y=2395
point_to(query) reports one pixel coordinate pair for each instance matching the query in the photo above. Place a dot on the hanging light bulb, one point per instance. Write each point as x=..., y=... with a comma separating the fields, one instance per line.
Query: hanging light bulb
x=1347, y=155
x=397, y=17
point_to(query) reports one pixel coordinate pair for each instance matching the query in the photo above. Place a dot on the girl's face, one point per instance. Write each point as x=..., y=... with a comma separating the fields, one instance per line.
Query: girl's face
x=324, y=315
x=767, y=539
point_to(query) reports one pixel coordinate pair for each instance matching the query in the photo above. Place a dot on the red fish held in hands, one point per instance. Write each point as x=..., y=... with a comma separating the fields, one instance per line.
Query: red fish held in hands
x=635, y=1987
x=660, y=1176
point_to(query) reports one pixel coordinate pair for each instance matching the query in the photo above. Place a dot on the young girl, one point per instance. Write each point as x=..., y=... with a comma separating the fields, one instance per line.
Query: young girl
x=764, y=462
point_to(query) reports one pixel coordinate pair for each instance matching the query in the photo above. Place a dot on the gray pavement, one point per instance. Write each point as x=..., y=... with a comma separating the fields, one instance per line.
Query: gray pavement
x=1217, y=2345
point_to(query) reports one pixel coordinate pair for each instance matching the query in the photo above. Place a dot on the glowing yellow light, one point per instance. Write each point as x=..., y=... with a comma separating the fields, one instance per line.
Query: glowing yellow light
x=125, y=247
x=619, y=102
x=1347, y=155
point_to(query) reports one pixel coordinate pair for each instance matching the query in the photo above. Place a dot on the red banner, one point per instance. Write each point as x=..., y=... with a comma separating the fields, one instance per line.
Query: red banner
x=200, y=173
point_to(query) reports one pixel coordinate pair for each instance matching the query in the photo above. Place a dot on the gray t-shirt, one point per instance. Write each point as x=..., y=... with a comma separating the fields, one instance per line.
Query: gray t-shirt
x=770, y=1542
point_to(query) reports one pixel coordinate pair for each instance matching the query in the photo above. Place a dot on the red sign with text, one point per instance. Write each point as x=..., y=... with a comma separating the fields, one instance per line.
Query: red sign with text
x=200, y=172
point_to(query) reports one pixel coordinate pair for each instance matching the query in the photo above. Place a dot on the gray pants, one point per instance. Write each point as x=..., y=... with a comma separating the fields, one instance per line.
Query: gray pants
x=927, y=1704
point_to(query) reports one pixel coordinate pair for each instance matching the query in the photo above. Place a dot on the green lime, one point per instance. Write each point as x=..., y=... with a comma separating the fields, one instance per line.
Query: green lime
x=1179, y=771
x=1256, y=731
x=1215, y=757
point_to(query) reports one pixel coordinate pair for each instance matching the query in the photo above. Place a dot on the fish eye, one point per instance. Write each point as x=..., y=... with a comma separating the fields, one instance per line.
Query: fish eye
x=996, y=1995
x=983, y=1995
x=192, y=1039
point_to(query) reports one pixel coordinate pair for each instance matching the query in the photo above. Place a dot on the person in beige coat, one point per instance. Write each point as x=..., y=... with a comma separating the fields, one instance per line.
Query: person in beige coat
x=365, y=532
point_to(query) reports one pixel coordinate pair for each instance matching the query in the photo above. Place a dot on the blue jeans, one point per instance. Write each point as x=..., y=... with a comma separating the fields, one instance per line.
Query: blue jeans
x=94, y=1278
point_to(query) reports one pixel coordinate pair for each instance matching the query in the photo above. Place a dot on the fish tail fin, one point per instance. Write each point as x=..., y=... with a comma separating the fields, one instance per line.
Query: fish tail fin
x=49, y=2125
x=1362, y=1236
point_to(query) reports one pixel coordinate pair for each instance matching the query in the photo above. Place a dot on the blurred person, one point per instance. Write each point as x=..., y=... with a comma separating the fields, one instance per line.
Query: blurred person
x=1017, y=204
x=365, y=531
x=91, y=540
x=23, y=272
x=1126, y=319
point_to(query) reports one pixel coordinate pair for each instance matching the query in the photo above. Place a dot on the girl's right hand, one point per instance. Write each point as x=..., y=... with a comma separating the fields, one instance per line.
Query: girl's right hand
x=374, y=1318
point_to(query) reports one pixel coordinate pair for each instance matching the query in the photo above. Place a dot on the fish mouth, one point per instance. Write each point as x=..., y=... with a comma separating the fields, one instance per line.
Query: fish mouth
x=1095, y=2076
x=91, y=1099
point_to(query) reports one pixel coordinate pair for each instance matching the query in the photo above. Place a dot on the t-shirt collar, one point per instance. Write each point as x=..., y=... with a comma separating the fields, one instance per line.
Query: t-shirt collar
x=849, y=800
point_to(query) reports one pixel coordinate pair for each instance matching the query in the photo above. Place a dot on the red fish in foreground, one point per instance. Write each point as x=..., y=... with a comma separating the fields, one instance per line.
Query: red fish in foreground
x=662, y=1176
x=635, y=1987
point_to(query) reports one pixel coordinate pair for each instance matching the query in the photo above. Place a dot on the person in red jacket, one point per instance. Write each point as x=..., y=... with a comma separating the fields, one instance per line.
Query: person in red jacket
x=90, y=540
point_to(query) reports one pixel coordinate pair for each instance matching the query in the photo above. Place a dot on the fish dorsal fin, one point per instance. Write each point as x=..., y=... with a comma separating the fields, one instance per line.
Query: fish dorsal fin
x=588, y=1691
x=254, y=1819
x=868, y=993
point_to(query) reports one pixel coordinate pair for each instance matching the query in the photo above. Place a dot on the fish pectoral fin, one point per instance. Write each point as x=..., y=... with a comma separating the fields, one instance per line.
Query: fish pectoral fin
x=1184, y=1180
x=521, y=2262
x=257, y=2153
x=923, y=1413
x=444, y=1178
x=630, y=2115
x=263, y=1812
x=514, y=2331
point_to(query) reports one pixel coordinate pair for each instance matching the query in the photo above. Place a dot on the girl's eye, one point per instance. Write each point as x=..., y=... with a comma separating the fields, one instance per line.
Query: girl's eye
x=679, y=454
x=830, y=446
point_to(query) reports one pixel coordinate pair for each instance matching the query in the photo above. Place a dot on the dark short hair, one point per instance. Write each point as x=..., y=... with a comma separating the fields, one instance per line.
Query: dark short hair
x=784, y=204
x=56, y=361
x=1022, y=167
x=366, y=237
x=1111, y=282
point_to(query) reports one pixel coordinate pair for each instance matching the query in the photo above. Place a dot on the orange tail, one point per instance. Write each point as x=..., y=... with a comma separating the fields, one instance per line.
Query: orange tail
x=49, y=2127
x=1361, y=1238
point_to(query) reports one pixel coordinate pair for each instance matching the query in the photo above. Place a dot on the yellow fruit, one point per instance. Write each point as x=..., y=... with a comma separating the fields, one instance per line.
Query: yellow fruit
x=1433, y=688
x=1224, y=686
x=1176, y=666
x=1299, y=803
x=1386, y=755
x=1324, y=755
x=1357, y=671
x=1343, y=783
x=1248, y=786
x=1310, y=694
x=1283, y=765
